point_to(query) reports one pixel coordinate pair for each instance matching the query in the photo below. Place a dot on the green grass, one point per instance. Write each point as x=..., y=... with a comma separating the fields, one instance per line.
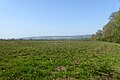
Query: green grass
x=59, y=60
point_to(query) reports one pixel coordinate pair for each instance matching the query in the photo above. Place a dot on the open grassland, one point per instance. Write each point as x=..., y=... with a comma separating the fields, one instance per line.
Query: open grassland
x=59, y=60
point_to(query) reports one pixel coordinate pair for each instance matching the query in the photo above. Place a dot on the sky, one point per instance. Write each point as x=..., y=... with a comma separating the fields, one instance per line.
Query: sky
x=27, y=18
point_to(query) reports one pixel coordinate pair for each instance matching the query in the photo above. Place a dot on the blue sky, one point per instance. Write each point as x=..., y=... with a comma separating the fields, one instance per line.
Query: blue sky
x=24, y=18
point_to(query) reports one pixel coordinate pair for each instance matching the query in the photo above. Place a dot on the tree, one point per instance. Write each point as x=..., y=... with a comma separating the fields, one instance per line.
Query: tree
x=115, y=18
x=111, y=31
x=108, y=31
x=98, y=35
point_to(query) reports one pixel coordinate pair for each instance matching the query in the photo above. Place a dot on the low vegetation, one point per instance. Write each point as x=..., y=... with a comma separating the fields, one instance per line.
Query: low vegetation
x=59, y=60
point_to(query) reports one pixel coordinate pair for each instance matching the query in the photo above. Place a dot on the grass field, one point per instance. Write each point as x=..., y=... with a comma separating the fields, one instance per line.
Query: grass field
x=59, y=60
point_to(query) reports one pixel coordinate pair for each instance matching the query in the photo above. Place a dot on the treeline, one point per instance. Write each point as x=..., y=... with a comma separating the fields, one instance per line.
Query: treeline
x=111, y=31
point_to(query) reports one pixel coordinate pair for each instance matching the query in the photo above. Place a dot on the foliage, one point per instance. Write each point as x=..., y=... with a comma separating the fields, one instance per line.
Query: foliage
x=111, y=31
x=59, y=60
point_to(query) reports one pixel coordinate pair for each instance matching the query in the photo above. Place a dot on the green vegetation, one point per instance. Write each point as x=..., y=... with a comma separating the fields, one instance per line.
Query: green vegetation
x=111, y=31
x=59, y=60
